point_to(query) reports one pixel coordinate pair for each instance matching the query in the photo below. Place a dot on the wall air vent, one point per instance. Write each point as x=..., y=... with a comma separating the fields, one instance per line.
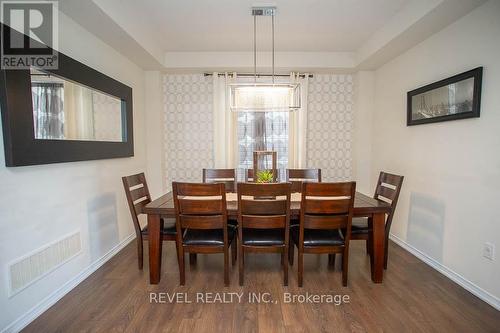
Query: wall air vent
x=26, y=270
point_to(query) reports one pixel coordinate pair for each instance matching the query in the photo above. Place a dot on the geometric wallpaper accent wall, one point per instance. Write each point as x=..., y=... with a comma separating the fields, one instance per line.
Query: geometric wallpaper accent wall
x=188, y=127
x=329, y=125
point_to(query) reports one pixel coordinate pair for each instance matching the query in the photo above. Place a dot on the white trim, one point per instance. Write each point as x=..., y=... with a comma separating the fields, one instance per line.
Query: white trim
x=449, y=273
x=23, y=321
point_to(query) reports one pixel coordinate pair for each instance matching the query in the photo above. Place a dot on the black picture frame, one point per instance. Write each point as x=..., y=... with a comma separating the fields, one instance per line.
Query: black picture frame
x=21, y=147
x=414, y=118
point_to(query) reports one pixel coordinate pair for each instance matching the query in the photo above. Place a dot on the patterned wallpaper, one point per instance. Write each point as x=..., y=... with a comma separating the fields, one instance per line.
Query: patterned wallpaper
x=107, y=117
x=188, y=125
x=188, y=130
x=329, y=125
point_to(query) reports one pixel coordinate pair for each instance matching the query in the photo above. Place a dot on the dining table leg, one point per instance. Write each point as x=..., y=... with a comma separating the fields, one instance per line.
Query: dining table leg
x=155, y=248
x=378, y=243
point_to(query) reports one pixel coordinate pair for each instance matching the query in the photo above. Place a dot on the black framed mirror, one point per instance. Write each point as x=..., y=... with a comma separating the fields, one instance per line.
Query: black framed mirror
x=72, y=113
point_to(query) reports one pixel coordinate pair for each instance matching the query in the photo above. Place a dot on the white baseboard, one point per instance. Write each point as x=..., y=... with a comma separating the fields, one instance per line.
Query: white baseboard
x=52, y=299
x=452, y=275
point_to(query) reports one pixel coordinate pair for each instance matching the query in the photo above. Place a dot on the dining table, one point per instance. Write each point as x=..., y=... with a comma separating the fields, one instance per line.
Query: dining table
x=364, y=206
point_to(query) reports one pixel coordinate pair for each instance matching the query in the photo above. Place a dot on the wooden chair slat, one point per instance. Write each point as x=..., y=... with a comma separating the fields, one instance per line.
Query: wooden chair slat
x=135, y=180
x=325, y=222
x=202, y=222
x=199, y=189
x=315, y=189
x=139, y=193
x=298, y=176
x=386, y=192
x=224, y=176
x=302, y=174
x=263, y=207
x=200, y=207
x=219, y=173
x=263, y=222
x=139, y=206
x=389, y=178
x=340, y=206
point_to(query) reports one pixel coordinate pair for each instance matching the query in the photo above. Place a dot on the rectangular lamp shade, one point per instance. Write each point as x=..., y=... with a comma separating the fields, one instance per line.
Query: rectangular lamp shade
x=260, y=97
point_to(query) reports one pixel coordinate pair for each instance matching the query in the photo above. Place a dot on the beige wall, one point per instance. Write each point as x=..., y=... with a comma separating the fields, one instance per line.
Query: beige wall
x=447, y=209
x=40, y=204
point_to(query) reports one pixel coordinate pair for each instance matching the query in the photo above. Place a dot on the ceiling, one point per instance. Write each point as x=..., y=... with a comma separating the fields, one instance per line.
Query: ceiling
x=311, y=35
x=301, y=25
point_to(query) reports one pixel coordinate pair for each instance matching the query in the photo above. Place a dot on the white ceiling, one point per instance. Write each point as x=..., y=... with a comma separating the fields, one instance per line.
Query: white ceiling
x=301, y=25
x=311, y=35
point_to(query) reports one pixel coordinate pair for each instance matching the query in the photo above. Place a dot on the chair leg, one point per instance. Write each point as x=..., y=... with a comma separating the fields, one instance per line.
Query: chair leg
x=386, y=252
x=282, y=260
x=300, y=257
x=331, y=260
x=291, y=247
x=241, y=255
x=139, y=252
x=192, y=258
x=226, y=266
x=234, y=251
x=285, y=266
x=177, y=252
x=345, y=266
x=182, y=268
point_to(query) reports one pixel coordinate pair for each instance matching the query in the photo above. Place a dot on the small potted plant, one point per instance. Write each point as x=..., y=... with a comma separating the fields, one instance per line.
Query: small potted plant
x=265, y=176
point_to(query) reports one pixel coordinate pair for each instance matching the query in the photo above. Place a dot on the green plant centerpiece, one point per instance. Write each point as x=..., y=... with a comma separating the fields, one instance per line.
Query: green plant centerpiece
x=265, y=176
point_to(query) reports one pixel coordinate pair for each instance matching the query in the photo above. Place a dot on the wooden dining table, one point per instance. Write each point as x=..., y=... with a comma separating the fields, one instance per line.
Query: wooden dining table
x=364, y=206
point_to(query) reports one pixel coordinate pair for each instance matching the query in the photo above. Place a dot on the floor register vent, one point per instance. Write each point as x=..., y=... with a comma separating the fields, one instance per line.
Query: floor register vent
x=35, y=265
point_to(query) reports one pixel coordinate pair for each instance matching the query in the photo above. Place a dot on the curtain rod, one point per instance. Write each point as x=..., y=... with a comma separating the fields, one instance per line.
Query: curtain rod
x=260, y=75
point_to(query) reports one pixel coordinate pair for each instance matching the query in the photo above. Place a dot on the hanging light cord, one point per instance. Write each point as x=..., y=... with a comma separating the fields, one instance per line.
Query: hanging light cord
x=255, y=48
x=272, y=20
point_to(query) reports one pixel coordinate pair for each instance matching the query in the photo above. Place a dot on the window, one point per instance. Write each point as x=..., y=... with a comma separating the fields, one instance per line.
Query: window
x=262, y=131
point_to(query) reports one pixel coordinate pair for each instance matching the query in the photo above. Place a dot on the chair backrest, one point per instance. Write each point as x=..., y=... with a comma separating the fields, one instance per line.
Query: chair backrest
x=327, y=206
x=225, y=176
x=249, y=176
x=298, y=176
x=137, y=192
x=264, y=206
x=199, y=206
x=388, y=189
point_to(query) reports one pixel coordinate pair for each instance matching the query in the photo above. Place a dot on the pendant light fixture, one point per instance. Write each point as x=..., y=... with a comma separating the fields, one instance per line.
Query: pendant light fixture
x=264, y=96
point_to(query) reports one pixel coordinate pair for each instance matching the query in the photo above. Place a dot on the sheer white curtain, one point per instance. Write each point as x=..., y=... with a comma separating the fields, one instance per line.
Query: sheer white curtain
x=297, y=135
x=225, y=123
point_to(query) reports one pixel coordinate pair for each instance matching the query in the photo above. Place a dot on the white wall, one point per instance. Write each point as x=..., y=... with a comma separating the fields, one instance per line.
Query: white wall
x=154, y=133
x=364, y=97
x=448, y=205
x=39, y=204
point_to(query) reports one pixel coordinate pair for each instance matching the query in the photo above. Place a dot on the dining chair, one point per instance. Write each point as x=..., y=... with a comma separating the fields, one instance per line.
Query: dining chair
x=298, y=176
x=325, y=209
x=226, y=176
x=387, y=189
x=137, y=193
x=263, y=221
x=201, y=211
x=249, y=176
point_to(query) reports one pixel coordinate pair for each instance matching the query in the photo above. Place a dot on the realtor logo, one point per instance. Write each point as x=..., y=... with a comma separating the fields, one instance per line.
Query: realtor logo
x=29, y=34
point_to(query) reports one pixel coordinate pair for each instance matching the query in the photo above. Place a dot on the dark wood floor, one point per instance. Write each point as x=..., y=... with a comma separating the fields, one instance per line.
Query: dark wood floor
x=413, y=298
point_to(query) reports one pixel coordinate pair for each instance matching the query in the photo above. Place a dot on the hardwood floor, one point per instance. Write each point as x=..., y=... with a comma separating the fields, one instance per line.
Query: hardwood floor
x=413, y=297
